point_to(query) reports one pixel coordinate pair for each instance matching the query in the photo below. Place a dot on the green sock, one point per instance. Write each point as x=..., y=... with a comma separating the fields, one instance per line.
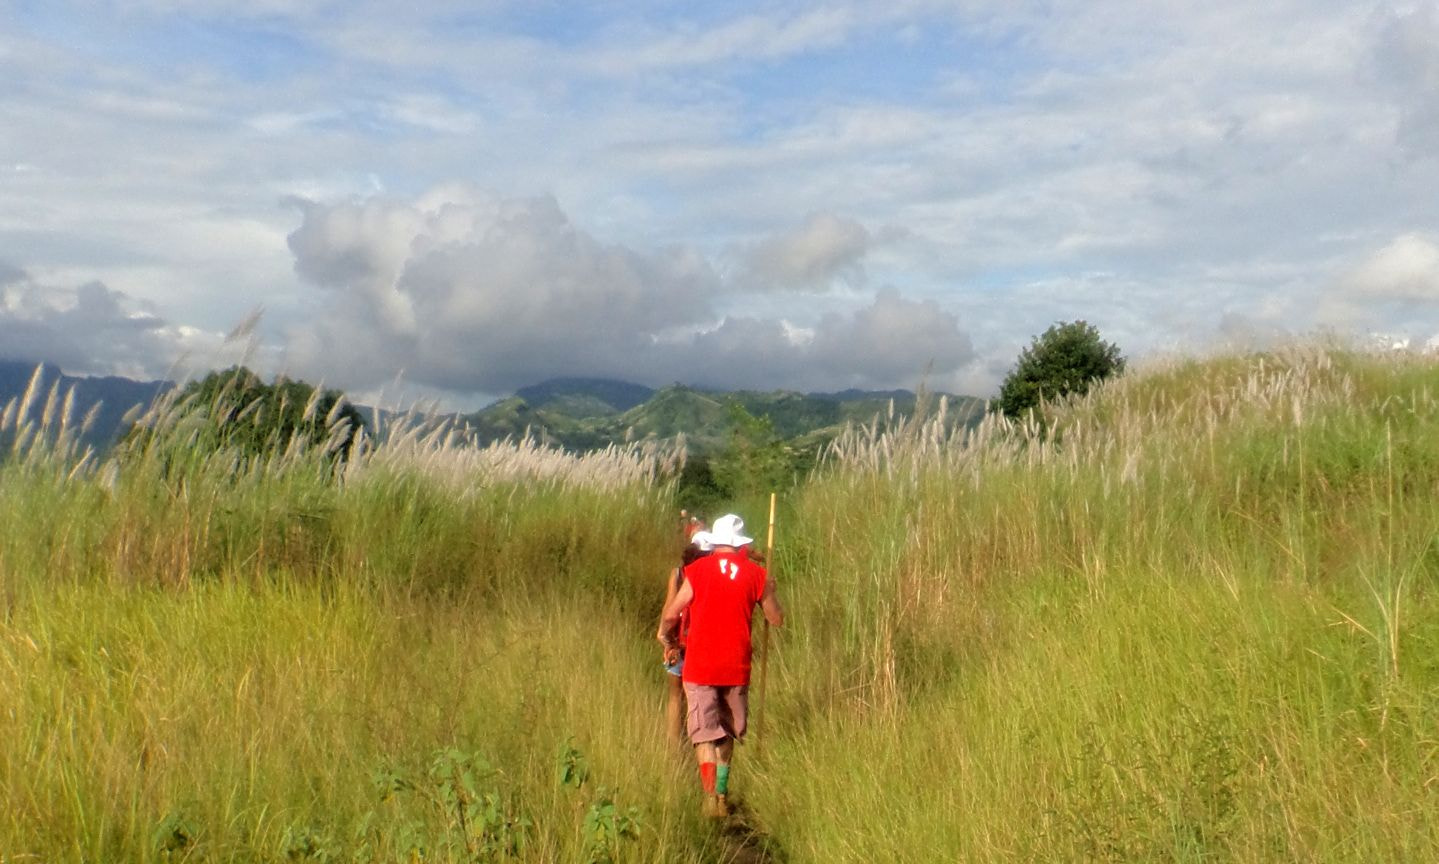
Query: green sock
x=721, y=779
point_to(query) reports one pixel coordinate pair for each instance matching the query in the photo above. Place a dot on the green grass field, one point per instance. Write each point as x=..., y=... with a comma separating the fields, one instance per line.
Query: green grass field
x=1194, y=620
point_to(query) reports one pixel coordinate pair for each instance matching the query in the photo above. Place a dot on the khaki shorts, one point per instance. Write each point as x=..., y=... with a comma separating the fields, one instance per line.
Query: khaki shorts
x=716, y=712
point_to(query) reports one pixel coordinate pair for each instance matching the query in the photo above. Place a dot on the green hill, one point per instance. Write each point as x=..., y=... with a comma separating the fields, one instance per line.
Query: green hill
x=582, y=413
x=700, y=416
x=585, y=397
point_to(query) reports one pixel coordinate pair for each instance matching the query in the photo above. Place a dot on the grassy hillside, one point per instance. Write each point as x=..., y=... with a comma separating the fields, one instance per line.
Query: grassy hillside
x=581, y=414
x=1194, y=622
x=1197, y=624
x=702, y=416
x=211, y=662
x=585, y=397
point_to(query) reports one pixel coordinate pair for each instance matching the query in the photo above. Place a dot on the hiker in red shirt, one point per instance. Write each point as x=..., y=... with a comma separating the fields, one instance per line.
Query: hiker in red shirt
x=720, y=592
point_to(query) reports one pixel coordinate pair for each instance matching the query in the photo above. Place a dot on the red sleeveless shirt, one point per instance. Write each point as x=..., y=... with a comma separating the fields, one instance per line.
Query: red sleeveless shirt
x=726, y=586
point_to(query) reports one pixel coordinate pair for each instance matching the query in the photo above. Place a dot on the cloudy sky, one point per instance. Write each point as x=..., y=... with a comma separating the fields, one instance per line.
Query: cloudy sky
x=466, y=196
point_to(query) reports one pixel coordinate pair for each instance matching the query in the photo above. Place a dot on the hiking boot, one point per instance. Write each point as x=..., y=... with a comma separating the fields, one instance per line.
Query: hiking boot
x=723, y=805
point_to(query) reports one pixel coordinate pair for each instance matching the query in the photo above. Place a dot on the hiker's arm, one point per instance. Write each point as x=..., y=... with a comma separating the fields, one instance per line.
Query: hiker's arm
x=671, y=588
x=671, y=650
x=670, y=618
x=773, y=612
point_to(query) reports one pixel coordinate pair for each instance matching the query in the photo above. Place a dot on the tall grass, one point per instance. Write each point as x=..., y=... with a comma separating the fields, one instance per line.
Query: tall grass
x=1190, y=617
x=209, y=656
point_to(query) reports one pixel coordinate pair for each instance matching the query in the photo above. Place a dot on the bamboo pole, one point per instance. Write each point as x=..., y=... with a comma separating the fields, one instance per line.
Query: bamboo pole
x=764, y=635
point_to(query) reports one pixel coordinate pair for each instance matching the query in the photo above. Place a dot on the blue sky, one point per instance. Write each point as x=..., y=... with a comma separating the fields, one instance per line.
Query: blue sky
x=469, y=197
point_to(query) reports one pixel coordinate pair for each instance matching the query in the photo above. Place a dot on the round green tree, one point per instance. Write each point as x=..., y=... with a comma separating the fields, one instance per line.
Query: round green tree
x=235, y=409
x=1068, y=358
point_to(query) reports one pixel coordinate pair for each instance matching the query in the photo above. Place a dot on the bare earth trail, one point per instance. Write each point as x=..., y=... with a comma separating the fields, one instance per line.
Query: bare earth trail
x=743, y=841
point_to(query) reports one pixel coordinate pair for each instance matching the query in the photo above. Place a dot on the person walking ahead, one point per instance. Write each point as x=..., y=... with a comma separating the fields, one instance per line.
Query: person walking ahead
x=674, y=655
x=720, y=591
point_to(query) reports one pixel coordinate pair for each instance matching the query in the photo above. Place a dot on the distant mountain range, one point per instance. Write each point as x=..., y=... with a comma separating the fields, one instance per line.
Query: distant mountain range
x=583, y=413
x=114, y=395
x=575, y=413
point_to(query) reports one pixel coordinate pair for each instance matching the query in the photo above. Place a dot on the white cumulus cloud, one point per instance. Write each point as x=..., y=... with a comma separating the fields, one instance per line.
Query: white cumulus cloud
x=1394, y=290
x=1405, y=269
x=90, y=329
x=825, y=248
x=466, y=291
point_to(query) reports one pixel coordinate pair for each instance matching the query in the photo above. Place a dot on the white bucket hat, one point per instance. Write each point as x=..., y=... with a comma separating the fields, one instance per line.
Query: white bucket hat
x=728, y=530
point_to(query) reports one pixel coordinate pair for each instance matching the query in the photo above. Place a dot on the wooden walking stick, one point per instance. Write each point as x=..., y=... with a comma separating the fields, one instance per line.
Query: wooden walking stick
x=764, y=636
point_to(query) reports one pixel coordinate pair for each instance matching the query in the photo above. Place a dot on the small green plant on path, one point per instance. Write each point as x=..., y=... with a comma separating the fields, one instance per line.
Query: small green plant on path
x=606, y=826
x=176, y=837
x=470, y=818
